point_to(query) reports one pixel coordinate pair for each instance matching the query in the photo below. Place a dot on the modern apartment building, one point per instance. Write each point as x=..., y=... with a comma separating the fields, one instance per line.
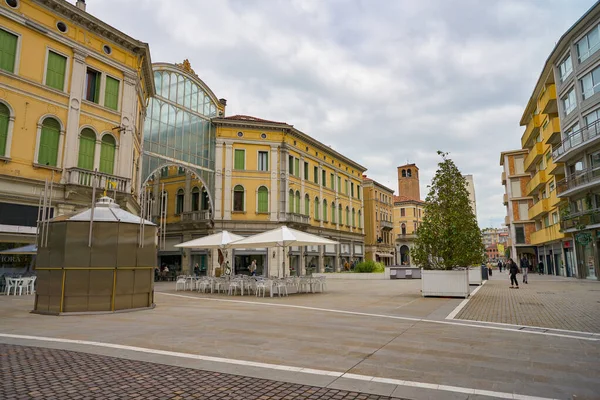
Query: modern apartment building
x=245, y=175
x=520, y=227
x=379, y=210
x=73, y=92
x=408, y=212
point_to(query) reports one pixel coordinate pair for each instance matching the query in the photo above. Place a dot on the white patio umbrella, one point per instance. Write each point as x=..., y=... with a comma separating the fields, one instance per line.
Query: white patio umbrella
x=282, y=237
x=221, y=240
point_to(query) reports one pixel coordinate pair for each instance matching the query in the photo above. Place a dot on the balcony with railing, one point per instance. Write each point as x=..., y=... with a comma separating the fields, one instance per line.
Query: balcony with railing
x=549, y=234
x=537, y=181
x=504, y=178
x=551, y=131
x=195, y=216
x=577, y=182
x=581, y=219
x=406, y=236
x=294, y=218
x=85, y=177
x=505, y=199
x=548, y=102
x=538, y=209
x=576, y=140
x=507, y=220
x=556, y=169
x=535, y=155
x=386, y=225
x=531, y=130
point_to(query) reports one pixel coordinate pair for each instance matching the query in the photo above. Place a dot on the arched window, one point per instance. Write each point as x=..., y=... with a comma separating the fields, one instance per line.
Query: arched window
x=317, y=213
x=263, y=199
x=347, y=216
x=205, y=199
x=179, y=202
x=332, y=212
x=107, y=154
x=87, y=149
x=4, y=120
x=403, y=226
x=291, y=201
x=49, y=140
x=408, y=173
x=404, y=173
x=238, y=198
x=353, y=218
x=324, y=210
x=297, y=204
x=306, y=205
x=341, y=222
x=360, y=219
x=195, y=199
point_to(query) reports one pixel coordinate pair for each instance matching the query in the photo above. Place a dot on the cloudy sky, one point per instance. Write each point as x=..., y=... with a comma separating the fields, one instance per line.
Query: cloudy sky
x=381, y=81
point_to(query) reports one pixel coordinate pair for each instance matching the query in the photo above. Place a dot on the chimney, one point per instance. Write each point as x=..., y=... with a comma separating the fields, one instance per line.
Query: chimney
x=80, y=4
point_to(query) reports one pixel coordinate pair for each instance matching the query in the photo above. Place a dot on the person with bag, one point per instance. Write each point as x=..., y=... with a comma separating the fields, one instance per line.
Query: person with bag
x=513, y=270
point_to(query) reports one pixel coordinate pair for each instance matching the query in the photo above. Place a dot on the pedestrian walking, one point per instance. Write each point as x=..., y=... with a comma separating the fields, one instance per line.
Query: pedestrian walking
x=500, y=265
x=541, y=267
x=489, y=267
x=513, y=270
x=524, y=268
x=252, y=268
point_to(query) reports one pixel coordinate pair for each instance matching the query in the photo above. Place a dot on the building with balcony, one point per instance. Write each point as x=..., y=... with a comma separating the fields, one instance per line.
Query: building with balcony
x=379, y=210
x=572, y=71
x=408, y=212
x=206, y=172
x=73, y=93
x=520, y=227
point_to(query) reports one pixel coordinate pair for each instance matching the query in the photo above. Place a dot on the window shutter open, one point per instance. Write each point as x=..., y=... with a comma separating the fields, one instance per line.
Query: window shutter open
x=4, y=118
x=111, y=95
x=55, y=72
x=8, y=51
x=48, y=152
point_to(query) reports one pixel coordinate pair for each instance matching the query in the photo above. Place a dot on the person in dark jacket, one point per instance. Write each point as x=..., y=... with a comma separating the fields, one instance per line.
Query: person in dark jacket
x=541, y=267
x=524, y=267
x=500, y=265
x=513, y=270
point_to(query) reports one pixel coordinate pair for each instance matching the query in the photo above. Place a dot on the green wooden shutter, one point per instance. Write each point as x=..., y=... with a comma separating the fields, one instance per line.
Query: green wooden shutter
x=97, y=88
x=263, y=200
x=107, y=155
x=111, y=95
x=239, y=159
x=297, y=202
x=317, y=216
x=87, y=148
x=55, y=71
x=296, y=166
x=325, y=211
x=341, y=221
x=49, y=139
x=333, y=213
x=4, y=118
x=8, y=51
x=306, y=206
x=291, y=202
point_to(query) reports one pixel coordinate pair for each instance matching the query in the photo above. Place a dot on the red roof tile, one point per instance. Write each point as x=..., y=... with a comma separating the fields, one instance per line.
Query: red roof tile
x=404, y=198
x=252, y=119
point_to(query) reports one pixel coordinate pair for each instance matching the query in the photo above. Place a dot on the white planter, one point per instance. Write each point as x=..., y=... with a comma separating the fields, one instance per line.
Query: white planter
x=445, y=283
x=475, y=276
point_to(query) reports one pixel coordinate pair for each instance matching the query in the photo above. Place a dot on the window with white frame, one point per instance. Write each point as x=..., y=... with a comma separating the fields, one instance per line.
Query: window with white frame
x=565, y=68
x=263, y=160
x=589, y=44
x=592, y=117
x=569, y=102
x=590, y=83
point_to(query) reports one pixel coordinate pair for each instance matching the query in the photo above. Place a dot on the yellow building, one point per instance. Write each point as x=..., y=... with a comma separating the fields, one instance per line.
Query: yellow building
x=542, y=132
x=408, y=212
x=379, y=204
x=72, y=98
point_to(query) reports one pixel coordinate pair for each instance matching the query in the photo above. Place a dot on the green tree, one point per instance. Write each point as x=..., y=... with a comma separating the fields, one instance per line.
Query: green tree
x=449, y=236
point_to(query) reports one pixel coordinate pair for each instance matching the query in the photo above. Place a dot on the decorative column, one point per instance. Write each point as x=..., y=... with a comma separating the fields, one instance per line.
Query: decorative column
x=273, y=206
x=77, y=85
x=227, y=200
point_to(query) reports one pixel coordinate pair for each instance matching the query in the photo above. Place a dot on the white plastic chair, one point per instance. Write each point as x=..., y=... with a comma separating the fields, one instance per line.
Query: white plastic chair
x=203, y=284
x=261, y=286
x=23, y=283
x=233, y=286
x=11, y=283
x=32, y=284
x=281, y=284
x=180, y=281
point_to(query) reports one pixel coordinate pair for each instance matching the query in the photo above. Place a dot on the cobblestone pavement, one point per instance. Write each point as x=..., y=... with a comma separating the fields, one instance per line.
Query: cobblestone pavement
x=39, y=373
x=549, y=302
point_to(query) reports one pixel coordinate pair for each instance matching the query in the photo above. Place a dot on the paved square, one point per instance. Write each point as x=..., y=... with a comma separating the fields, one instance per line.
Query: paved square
x=548, y=302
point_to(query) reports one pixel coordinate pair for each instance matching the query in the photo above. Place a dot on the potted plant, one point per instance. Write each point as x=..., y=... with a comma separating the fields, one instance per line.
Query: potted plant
x=448, y=240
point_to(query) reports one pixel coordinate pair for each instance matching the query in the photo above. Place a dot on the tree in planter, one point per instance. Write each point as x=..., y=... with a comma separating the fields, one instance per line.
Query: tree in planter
x=449, y=236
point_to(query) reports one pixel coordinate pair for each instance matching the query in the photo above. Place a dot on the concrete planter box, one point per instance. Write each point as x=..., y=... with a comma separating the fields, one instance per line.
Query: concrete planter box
x=404, y=273
x=475, y=276
x=445, y=283
x=357, y=276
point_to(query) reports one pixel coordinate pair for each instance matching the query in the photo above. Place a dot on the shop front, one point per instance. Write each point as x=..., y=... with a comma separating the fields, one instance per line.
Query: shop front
x=345, y=257
x=311, y=259
x=329, y=261
x=587, y=254
x=242, y=258
x=14, y=261
x=359, y=254
x=295, y=256
x=569, y=254
x=199, y=262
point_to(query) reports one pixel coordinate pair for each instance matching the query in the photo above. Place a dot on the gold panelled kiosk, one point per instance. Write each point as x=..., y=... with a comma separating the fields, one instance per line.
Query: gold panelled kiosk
x=100, y=260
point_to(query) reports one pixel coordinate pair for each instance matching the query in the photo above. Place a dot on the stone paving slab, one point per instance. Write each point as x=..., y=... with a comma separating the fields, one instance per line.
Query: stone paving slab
x=557, y=303
x=40, y=373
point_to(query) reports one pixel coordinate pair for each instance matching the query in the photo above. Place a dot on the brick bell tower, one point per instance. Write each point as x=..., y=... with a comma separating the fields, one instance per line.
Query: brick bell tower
x=408, y=182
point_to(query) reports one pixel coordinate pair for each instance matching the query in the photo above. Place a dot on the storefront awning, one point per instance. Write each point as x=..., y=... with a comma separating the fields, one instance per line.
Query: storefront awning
x=384, y=255
x=29, y=249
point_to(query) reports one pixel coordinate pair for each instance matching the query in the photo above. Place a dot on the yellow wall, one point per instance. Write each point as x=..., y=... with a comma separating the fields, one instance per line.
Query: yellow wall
x=411, y=216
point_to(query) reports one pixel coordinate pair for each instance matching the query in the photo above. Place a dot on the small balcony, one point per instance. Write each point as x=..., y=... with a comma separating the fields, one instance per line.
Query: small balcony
x=85, y=177
x=531, y=130
x=553, y=200
x=580, y=181
x=588, y=135
x=504, y=178
x=386, y=225
x=538, y=180
x=556, y=169
x=505, y=199
x=195, y=216
x=551, y=132
x=294, y=218
x=408, y=236
x=581, y=220
x=538, y=209
x=535, y=155
x=549, y=234
x=548, y=102
x=507, y=220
